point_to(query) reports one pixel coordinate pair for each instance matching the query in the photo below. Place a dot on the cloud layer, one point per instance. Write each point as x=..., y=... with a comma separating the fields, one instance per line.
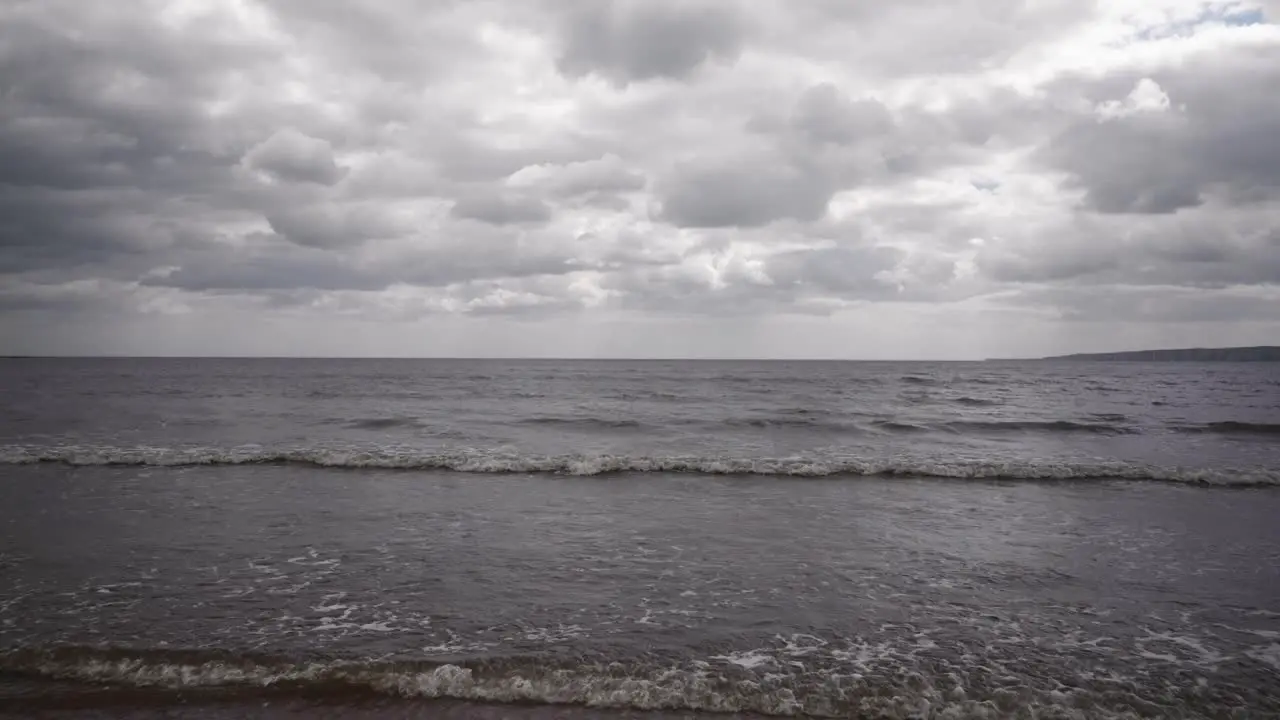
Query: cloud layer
x=623, y=177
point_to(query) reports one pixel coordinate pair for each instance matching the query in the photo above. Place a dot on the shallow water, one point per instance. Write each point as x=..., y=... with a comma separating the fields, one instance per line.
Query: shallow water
x=152, y=577
x=649, y=591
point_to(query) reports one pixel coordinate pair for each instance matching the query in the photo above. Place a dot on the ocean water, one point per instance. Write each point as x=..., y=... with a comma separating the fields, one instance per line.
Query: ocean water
x=360, y=538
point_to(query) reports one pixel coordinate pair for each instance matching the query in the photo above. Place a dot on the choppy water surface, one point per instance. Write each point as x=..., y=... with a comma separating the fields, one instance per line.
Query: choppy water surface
x=385, y=538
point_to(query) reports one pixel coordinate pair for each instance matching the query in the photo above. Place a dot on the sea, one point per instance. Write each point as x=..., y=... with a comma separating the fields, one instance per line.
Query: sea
x=272, y=538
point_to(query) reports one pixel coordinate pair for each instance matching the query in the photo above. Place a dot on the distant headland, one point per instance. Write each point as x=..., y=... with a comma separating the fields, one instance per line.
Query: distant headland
x=1263, y=353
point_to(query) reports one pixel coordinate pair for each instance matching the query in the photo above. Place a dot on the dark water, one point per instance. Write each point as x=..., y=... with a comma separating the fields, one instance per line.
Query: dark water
x=228, y=538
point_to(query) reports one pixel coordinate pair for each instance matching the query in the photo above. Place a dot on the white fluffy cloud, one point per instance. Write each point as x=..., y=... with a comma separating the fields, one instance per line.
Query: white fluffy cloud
x=929, y=178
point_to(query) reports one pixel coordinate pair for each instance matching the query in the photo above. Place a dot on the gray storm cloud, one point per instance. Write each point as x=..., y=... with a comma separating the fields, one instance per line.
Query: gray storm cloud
x=1007, y=169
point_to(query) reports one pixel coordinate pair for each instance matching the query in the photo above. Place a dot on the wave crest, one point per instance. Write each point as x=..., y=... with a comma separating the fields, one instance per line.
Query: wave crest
x=975, y=401
x=386, y=423
x=1059, y=426
x=1234, y=427
x=862, y=681
x=473, y=461
x=586, y=423
x=510, y=680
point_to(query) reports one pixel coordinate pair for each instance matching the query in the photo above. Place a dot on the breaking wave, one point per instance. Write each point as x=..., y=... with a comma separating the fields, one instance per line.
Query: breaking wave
x=818, y=420
x=798, y=680
x=507, y=681
x=493, y=462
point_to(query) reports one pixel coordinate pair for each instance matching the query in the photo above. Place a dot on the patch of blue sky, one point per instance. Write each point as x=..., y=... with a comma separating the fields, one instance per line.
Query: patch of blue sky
x=1233, y=15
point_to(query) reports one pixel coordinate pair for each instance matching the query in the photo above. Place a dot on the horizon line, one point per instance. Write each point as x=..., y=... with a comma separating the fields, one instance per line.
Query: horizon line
x=502, y=358
x=549, y=358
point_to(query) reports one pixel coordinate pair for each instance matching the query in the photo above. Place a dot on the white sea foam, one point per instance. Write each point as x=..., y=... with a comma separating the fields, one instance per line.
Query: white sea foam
x=587, y=465
x=1181, y=649
x=748, y=659
x=1269, y=655
x=553, y=635
x=750, y=681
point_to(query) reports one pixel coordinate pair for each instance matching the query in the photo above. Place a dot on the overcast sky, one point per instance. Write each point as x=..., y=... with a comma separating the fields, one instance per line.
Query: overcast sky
x=674, y=178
